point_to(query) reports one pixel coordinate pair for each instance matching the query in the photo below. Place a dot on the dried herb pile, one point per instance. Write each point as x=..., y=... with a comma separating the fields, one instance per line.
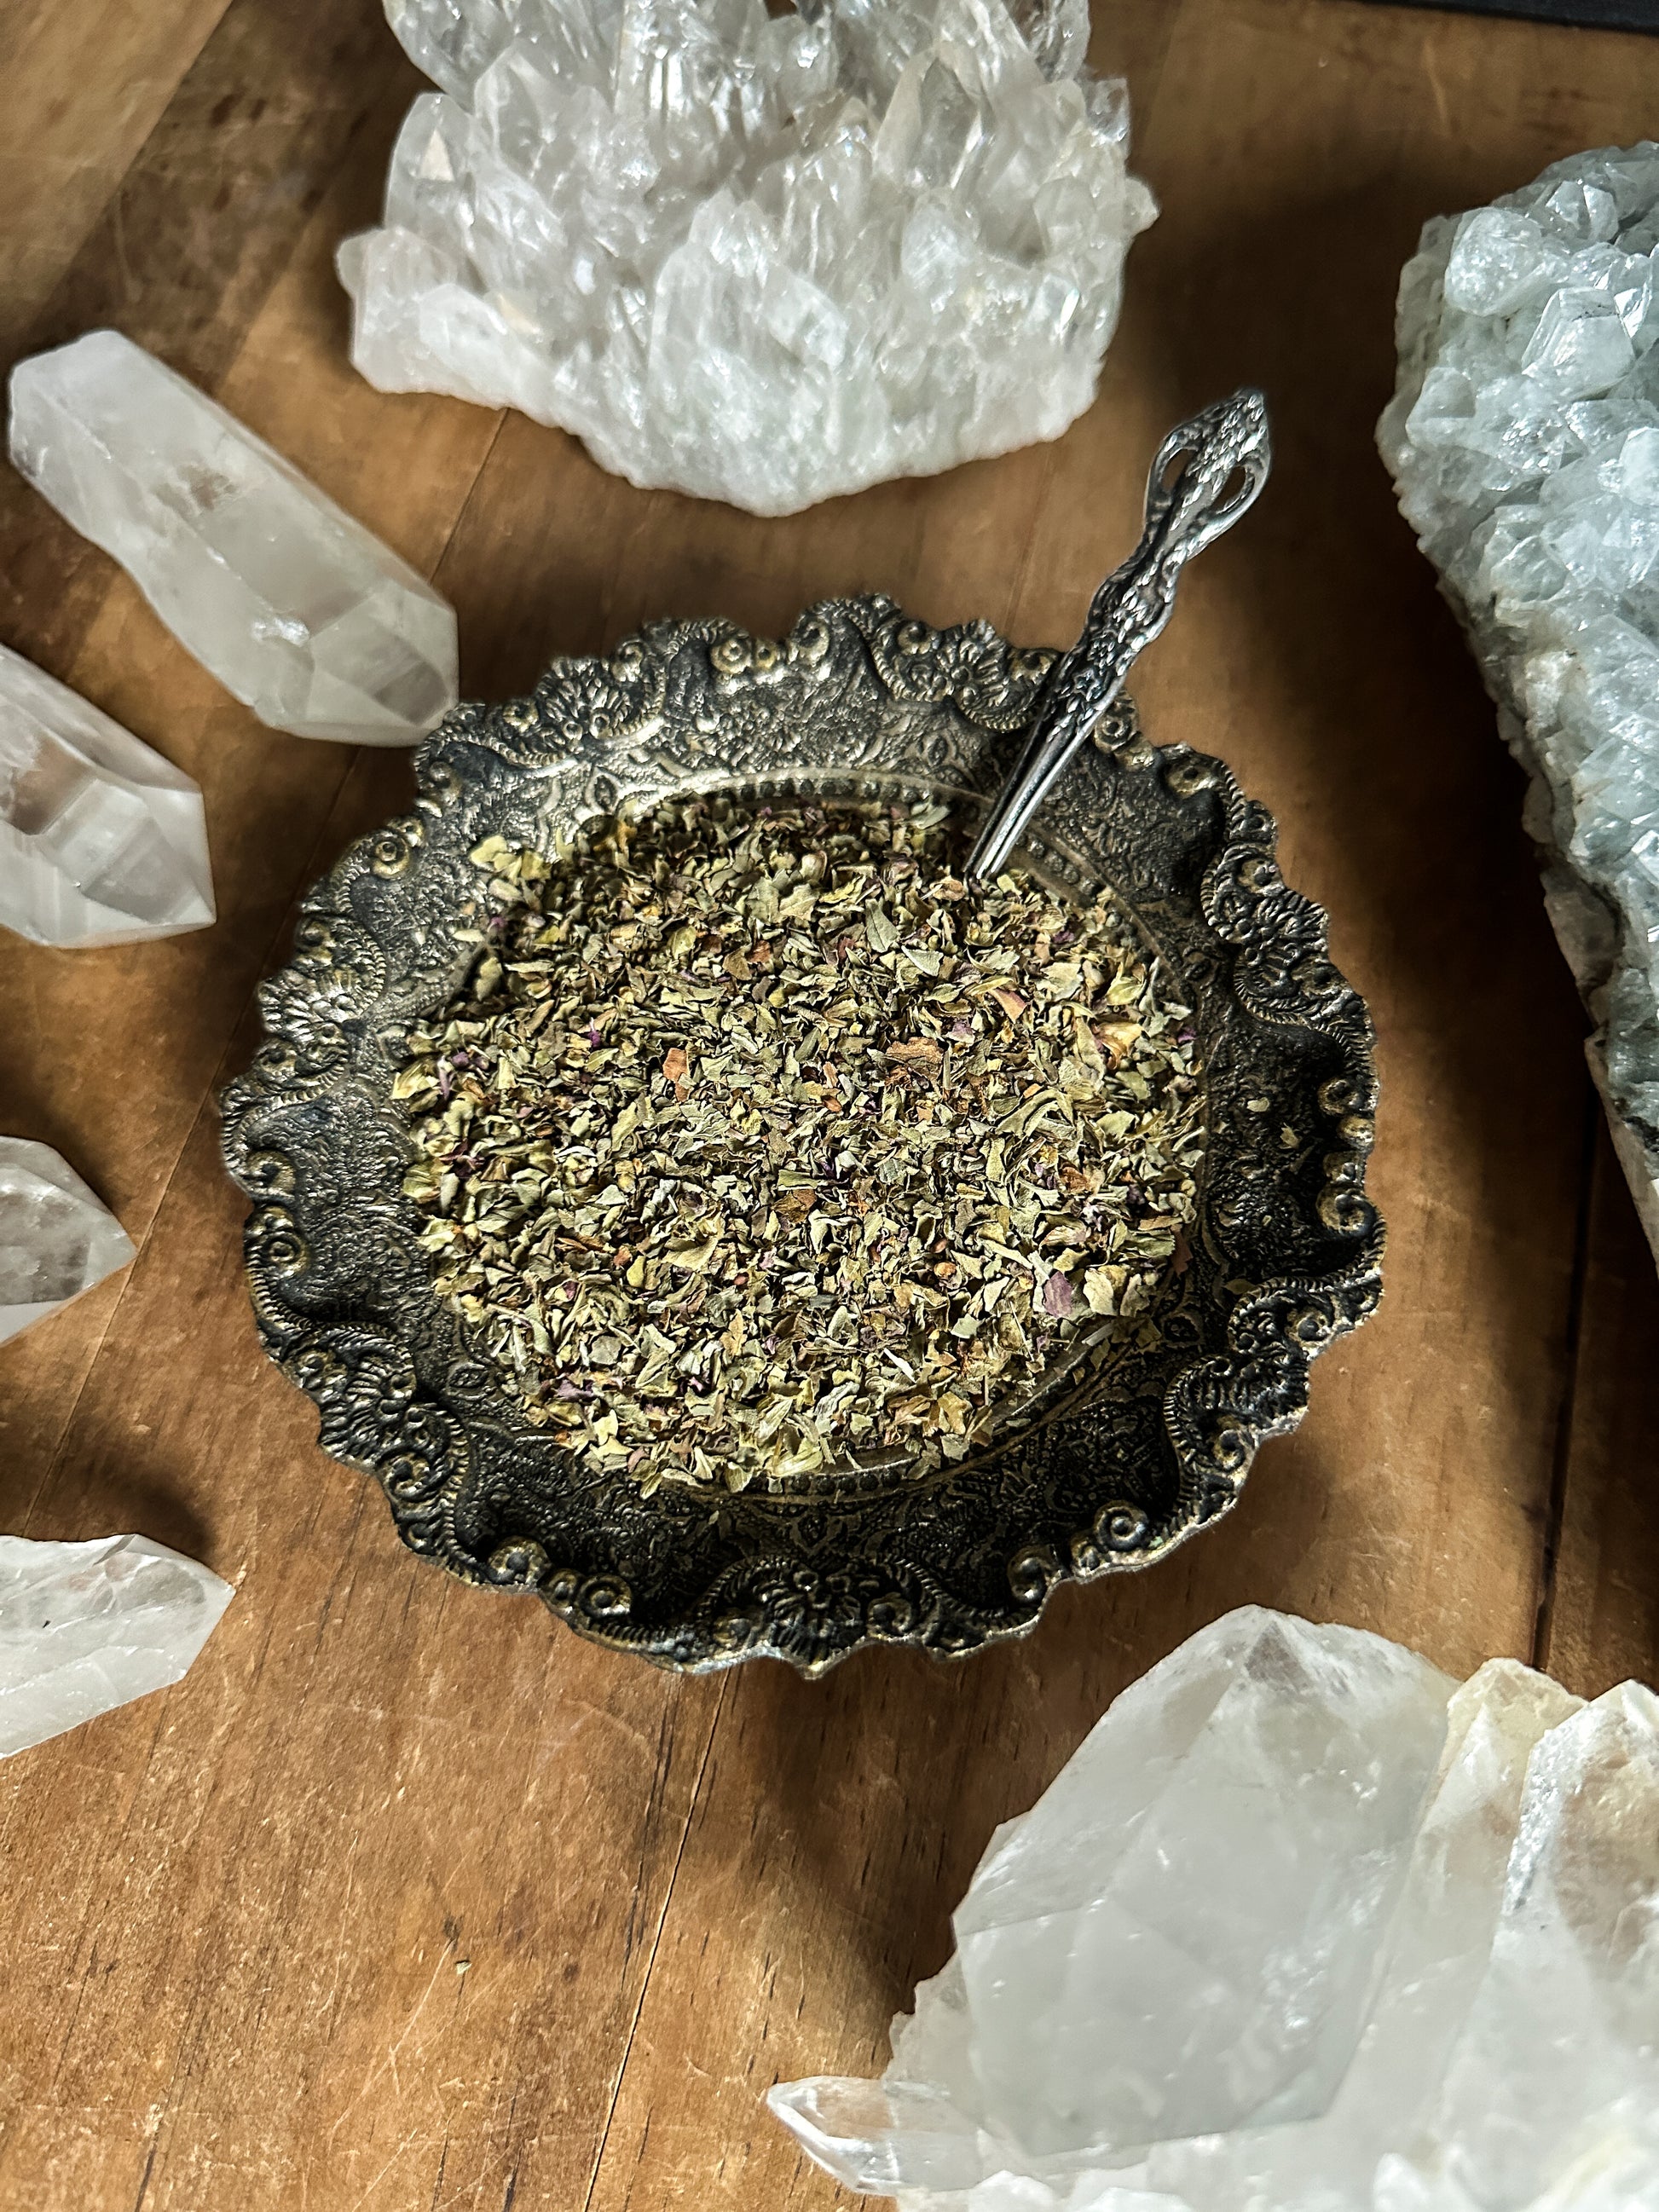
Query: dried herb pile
x=759, y=1144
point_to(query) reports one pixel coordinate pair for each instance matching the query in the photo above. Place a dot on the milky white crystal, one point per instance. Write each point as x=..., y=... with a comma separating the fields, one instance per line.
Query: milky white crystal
x=298, y=610
x=1523, y=439
x=762, y=259
x=56, y=1238
x=84, y=1628
x=102, y=840
x=1303, y=1926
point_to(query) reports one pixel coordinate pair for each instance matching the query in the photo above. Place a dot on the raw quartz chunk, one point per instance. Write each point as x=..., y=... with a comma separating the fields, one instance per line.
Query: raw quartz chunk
x=1523, y=439
x=1551, y=2096
x=56, y=1238
x=102, y=840
x=1301, y=1926
x=85, y=1627
x=298, y=610
x=760, y=260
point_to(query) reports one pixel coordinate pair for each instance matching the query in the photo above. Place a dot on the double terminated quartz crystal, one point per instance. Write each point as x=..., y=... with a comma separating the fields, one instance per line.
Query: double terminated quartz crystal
x=102, y=840
x=1523, y=439
x=1303, y=1926
x=298, y=610
x=761, y=260
x=56, y=1238
x=84, y=1628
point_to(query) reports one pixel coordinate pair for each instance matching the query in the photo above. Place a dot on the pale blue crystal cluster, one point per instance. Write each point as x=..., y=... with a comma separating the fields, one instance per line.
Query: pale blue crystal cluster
x=1523, y=439
x=760, y=259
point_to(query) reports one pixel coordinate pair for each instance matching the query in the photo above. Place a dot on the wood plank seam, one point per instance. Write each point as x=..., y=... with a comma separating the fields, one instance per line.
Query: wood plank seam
x=691, y=1803
x=1012, y=605
x=1561, y=1464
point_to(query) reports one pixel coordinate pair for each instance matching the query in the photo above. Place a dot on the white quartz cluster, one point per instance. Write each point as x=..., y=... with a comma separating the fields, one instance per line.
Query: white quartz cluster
x=1523, y=439
x=102, y=840
x=84, y=1628
x=297, y=609
x=1303, y=1926
x=759, y=258
x=56, y=1238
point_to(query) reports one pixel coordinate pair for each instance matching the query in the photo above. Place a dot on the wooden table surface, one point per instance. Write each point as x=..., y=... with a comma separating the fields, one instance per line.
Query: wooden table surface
x=406, y=1898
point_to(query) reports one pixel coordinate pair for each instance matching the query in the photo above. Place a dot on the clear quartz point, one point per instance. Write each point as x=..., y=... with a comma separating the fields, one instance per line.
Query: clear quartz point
x=762, y=258
x=1302, y=1926
x=1523, y=440
x=298, y=610
x=102, y=840
x=85, y=1627
x=56, y=1238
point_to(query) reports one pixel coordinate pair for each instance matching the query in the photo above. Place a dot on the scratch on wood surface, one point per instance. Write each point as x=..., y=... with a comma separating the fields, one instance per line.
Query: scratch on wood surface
x=100, y=1907
x=568, y=1724
x=415, y=2140
x=438, y=2179
x=389, y=2063
x=346, y=1930
x=55, y=1459
x=144, y=2180
x=1431, y=72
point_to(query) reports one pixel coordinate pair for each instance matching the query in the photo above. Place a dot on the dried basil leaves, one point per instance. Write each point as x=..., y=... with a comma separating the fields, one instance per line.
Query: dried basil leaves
x=759, y=1144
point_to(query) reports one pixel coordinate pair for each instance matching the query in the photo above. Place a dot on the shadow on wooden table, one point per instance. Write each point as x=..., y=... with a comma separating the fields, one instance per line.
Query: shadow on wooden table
x=874, y=1792
x=113, y=1494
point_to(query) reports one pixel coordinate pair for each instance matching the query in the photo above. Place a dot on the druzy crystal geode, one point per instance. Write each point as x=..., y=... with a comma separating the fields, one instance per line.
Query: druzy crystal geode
x=57, y=1237
x=758, y=258
x=297, y=609
x=1304, y=1926
x=102, y=840
x=84, y=1628
x=1523, y=439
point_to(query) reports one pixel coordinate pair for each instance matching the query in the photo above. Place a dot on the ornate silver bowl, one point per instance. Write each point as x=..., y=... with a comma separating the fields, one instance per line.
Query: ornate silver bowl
x=1090, y=1477
x=858, y=701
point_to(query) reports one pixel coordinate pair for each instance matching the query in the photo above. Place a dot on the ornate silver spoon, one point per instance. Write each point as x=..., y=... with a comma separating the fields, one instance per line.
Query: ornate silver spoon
x=1184, y=511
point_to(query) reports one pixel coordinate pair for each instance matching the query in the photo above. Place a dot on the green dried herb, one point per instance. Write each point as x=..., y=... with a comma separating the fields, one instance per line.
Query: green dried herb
x=758, y=1144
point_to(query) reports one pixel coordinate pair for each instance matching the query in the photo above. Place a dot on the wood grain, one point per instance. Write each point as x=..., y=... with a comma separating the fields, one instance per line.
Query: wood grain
x=93, y=81
x=405, y=1897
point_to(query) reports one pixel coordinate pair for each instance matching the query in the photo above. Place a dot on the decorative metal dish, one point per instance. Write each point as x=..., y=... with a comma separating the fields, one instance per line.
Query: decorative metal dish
x=858, y=702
